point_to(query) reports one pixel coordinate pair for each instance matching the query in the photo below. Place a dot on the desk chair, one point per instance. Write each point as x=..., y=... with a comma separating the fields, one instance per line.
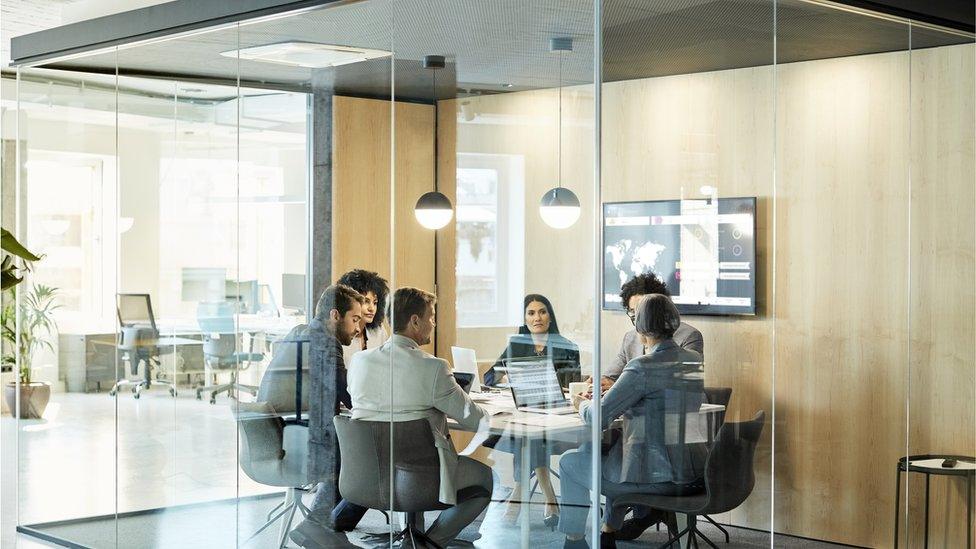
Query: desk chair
x=220, y=342
x=266, y=459
x=138, y=338
x=364, y=478
x=729, y=479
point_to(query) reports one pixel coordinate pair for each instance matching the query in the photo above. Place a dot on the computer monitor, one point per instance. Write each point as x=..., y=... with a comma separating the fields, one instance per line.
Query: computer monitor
x=135, y=310
x=293, y=291
x=245, y=293
x=203, y=284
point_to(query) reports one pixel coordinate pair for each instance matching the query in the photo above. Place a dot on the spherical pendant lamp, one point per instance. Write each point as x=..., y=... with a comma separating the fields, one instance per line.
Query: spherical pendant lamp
x=559, y=207
x=434, y=210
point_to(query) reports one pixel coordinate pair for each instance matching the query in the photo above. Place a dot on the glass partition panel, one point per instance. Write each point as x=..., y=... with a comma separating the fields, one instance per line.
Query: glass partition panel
x=689, y=202
x=179, y=268
x=842, y=271
x=937, y=499
x=515, y=118
x=59, y=321
x=345, y=65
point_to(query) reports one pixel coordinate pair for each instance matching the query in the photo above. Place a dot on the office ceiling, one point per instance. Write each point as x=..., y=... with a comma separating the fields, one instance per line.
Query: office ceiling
x=502, y=45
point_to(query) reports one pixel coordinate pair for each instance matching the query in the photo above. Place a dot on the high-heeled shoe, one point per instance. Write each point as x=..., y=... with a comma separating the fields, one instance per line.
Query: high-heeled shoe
x=551, y=519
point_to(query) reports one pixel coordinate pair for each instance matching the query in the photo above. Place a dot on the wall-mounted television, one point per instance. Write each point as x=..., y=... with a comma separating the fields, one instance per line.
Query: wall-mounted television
x=703, y=249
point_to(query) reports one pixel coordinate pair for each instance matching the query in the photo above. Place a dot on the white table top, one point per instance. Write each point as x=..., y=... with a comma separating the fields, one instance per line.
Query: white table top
x=937, y=464
x=506, y=419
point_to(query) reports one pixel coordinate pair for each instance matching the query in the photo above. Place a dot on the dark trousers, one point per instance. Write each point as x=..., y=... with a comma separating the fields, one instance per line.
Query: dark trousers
x=344, y=517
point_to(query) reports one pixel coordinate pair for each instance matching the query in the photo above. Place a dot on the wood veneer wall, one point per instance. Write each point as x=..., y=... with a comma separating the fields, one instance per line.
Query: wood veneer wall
x=866, y=285
x=364, y=192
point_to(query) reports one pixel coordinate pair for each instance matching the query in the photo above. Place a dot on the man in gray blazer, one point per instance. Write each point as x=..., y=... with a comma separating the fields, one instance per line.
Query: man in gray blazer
x=687, y=337
x=400, y=380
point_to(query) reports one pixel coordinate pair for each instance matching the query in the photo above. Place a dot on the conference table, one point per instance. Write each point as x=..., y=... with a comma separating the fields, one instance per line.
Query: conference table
x=536, y=428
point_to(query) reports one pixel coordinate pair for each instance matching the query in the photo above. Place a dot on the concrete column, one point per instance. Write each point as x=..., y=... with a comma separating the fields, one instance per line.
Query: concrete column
x=323, y=448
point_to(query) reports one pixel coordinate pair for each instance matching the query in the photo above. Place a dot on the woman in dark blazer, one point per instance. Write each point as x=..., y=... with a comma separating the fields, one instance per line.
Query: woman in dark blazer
x=655, y=394
x=538, y=338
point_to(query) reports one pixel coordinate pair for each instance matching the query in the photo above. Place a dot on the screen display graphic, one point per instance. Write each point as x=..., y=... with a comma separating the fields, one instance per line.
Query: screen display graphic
x=704, y=250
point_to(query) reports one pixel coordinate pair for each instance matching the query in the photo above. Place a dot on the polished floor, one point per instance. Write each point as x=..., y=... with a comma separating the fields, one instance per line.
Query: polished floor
x=181, y=454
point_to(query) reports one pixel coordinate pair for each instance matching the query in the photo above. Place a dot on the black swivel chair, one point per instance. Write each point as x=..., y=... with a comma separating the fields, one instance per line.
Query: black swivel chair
x=138, y=339
x=729, y=479
x=364, y=478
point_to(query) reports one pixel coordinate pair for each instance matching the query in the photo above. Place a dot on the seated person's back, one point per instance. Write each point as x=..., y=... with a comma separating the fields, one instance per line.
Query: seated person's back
x=279, y=381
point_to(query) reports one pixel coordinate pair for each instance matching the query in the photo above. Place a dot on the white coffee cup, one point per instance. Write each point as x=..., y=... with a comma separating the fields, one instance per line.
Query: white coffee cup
x=577, y=387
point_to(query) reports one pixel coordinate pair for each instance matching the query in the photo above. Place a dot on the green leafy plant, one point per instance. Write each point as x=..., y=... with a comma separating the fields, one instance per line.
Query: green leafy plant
x=37, y=326
x=11, y=266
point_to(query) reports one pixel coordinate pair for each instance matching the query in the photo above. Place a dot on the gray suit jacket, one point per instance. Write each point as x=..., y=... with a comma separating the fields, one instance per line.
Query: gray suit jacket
x=401, y=381
x=648, y=396
x=686, y=337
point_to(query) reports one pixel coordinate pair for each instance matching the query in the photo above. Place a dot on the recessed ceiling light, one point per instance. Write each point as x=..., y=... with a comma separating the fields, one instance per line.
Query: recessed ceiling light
x=307, y=54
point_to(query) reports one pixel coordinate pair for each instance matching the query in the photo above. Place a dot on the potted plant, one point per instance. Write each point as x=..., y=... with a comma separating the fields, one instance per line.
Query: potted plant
x=35, y=331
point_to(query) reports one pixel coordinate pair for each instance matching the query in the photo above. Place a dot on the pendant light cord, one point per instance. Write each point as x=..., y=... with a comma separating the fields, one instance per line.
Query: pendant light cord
x=559, y=127
x=433, y=97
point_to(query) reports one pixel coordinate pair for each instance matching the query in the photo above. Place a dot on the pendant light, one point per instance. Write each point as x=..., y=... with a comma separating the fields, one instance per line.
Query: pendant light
x=559, y=207
x=434, y=210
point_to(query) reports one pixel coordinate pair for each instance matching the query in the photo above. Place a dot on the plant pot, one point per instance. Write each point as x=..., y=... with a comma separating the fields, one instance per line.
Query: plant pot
x=33, y=399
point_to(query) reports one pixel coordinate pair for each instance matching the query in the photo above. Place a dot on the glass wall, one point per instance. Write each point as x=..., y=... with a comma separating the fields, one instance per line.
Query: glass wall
x=795, y=177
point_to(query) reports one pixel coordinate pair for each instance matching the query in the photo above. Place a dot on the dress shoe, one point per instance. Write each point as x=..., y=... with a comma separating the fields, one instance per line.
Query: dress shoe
x=311, y=534
x=634, y=527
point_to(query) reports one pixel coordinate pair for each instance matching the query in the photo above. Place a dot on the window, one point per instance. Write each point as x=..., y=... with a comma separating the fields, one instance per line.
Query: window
x=71, y=204
x=490, y=232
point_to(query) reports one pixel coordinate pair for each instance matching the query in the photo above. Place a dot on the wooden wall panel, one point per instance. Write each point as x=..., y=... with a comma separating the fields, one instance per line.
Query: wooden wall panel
x=942, y=390
x=847, y=292
x=447, y=237
x=841, y=312
x=664, y=138
x=363, y=192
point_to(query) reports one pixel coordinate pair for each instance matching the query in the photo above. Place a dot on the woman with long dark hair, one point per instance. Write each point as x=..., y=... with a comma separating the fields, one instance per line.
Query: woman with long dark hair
x=538, y=338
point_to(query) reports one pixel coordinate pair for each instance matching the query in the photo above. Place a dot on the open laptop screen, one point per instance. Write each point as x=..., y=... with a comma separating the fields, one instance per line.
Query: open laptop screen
x=534, y=383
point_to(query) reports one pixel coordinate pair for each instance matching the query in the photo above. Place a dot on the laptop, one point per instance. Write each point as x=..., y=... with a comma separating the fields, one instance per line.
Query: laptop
x=535, y=387
x=465, y=362
x=464, y=380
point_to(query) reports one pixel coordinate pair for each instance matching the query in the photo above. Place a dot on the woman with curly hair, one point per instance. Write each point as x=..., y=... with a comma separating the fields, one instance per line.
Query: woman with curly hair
x=375, y=289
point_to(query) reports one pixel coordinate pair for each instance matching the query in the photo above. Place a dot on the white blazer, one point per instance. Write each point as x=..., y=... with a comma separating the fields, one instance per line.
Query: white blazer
x=400, y=379
x=376, y=338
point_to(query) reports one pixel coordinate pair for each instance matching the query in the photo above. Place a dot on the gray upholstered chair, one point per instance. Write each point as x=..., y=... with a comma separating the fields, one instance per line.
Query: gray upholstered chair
x=279, y=382
x=274, y=454
x=729, y=479
x=364, y=478
x=220, y=343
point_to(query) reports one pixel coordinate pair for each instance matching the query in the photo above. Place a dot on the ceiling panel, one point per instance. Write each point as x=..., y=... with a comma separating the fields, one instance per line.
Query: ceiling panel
x=502, y=45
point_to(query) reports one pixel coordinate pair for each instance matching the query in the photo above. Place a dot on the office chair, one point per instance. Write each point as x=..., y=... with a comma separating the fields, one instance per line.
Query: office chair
x=729, y=479
x=220, y=342
x=365, y=475
x=269, y=455
x=137, y=343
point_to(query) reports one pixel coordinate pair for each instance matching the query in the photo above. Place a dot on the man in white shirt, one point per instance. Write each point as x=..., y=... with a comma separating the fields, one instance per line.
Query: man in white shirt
x=401, y=381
